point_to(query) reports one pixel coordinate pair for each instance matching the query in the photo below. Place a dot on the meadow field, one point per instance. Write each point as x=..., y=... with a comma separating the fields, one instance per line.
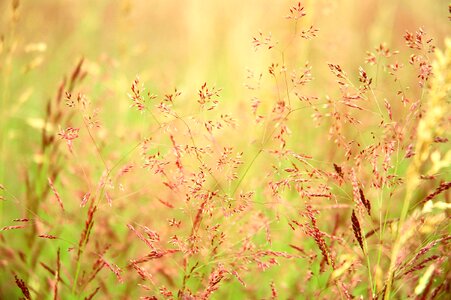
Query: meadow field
x=207, y=149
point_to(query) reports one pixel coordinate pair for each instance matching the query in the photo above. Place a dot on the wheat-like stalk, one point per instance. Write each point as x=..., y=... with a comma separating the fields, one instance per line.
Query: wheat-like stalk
x=437, y=108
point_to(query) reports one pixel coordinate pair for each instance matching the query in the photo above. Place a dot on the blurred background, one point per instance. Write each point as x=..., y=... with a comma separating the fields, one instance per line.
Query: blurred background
x=174, y=44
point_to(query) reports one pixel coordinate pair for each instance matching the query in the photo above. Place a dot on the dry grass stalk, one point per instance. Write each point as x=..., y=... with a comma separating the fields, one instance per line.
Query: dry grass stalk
x=357, y=230
x=23, y=287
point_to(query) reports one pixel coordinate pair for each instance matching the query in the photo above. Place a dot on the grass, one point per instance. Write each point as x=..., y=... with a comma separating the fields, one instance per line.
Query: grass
x=256, y=150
